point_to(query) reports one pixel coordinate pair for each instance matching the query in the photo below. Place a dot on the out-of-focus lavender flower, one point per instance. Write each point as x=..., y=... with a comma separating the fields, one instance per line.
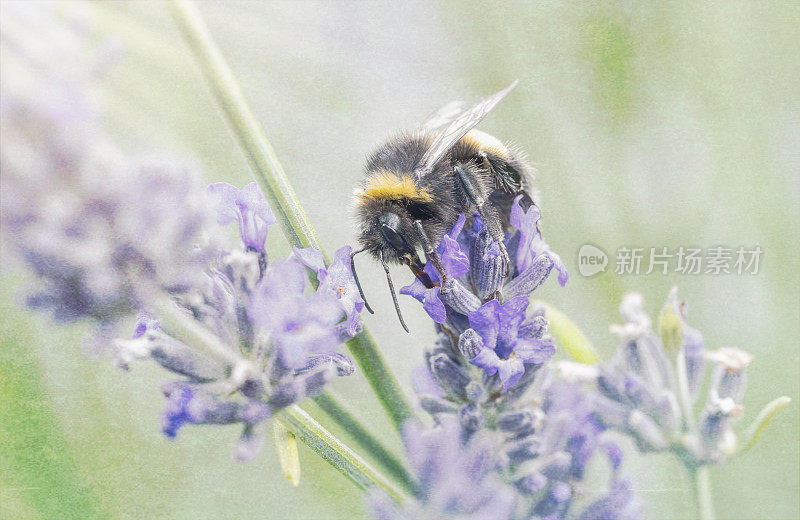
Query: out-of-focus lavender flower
x=549, y=453
x=281, y=342
x=651, y=387
x=456, y=475
x=94, y=224
x=248, y=208
x=545, y=432
x=337, y=279
x=108, y=234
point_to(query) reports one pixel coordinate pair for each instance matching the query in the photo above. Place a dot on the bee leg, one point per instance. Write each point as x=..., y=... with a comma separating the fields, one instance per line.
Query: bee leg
x=489, y=216
x=430, y=252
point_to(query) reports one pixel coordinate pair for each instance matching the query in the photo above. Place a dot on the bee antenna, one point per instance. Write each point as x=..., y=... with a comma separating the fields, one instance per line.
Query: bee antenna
x=355, y=277
x=391, y=289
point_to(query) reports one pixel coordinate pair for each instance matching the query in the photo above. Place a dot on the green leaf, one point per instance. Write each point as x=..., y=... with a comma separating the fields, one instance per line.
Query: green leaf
x=752, y=433
x=569, y=336
x=286, y=446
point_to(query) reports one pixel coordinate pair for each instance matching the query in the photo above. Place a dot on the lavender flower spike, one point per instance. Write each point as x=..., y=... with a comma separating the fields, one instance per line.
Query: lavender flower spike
x=246, y=206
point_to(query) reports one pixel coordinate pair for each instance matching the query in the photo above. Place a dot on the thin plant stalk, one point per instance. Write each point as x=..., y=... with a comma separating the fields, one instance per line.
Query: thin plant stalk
x=701, y=481
x=385, y=459
x=335, y=451
x=269, y=174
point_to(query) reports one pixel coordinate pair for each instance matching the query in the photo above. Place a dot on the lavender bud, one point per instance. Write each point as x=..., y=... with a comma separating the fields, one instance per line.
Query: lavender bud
x=637, y=393
x=436, y=406
x=250, y=443
x=649, y=435
x=610, y=413
x=475, y=392
x=514, y=422
x=729, y=378
x=558, y=466
x=207, y=410
x=470, y=343
x=471, y=418
x=450, y=376
x=667, y=412
x=523, y=450
x=458, y=297
x=343, y=365
x=287, y=393
x=529, y=279
x=486, y=265
x=534, y=327
x=695, y=359
x=317, y=380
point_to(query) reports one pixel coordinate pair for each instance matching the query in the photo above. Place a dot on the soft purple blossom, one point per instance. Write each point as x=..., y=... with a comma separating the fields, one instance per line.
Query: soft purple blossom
x=337, y=279
x=247, y=207
x=456, y=476
x=298, y=323
x=505, y=351
x=531, y=243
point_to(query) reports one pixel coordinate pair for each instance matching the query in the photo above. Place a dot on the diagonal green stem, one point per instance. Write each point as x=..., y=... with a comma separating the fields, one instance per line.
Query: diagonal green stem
x=368, y=442
x=270, y=176
x=335, y=452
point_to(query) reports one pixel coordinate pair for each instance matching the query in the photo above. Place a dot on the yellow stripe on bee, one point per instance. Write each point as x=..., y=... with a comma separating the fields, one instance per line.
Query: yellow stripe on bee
x=485, y=142
x=393, y=186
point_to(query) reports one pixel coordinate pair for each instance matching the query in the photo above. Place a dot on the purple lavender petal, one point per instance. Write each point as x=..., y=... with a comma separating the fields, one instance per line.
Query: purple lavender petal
x=510, y=370
x=534, y=350
x=433, y=305
x=311, y=258
x=487, y=360
x=248, y=207
x=485, y=322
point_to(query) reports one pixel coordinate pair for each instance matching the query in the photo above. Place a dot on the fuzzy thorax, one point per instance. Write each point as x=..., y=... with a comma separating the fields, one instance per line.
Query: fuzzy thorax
x=393, y=186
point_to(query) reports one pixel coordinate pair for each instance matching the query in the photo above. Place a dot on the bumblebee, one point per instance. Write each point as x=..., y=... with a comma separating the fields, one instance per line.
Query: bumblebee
x=418, y=183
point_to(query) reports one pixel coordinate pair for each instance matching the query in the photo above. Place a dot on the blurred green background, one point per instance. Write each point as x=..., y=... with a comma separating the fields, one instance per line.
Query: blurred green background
x=651, y=124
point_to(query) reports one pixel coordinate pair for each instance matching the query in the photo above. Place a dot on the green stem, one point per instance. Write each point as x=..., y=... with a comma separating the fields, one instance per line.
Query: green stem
x=273, y=181
x=569, y=335
x=701, y=481
x=380, y=454
x=335, y=452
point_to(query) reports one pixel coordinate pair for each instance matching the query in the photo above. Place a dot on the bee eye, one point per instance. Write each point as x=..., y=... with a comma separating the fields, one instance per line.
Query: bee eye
x=390, y=229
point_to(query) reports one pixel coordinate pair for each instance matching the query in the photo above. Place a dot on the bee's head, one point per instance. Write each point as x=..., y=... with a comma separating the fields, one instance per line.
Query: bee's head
x=390, y=226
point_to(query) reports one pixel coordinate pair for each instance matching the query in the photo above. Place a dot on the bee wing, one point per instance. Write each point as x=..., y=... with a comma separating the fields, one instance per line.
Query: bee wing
x=444, y=116
x=459, y=124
